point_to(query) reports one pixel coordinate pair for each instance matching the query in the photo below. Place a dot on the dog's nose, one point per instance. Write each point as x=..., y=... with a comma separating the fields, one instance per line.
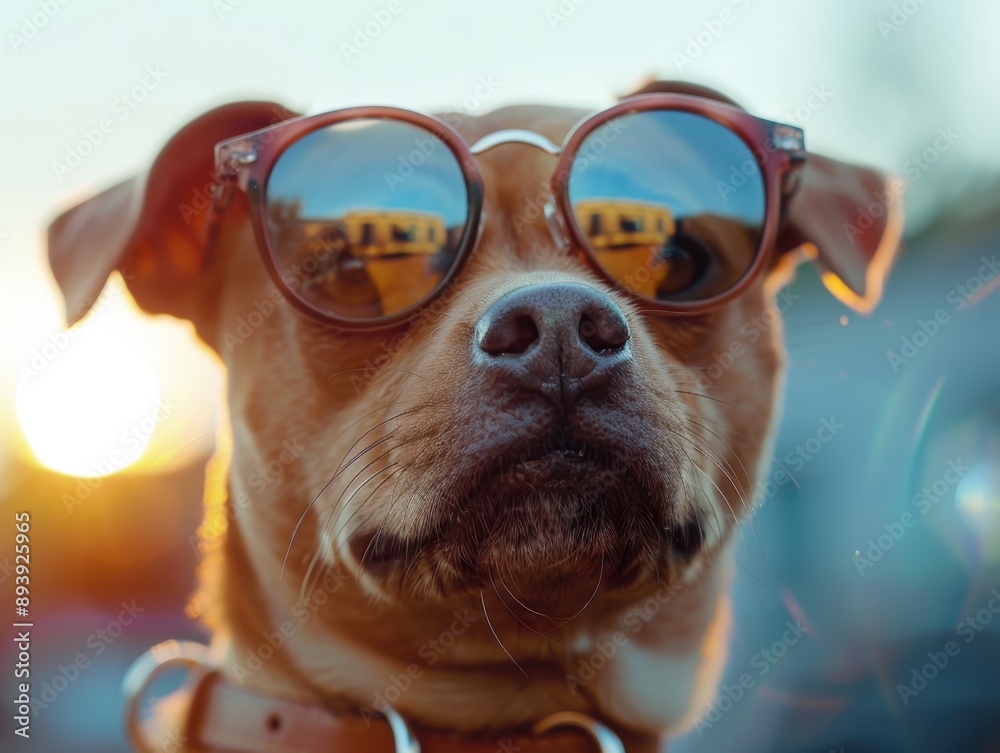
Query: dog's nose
x=558, y=338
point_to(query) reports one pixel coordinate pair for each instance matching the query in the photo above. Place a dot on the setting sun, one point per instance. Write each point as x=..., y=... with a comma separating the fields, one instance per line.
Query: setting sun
x=88, y=404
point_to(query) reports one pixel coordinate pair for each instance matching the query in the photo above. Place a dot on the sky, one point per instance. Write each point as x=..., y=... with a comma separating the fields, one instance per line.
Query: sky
x=678, y=159
x=334, y=170
x=869, y=80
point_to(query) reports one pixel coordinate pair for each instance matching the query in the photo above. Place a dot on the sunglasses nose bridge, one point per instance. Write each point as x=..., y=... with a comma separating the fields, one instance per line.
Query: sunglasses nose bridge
x=515, y=136
x=556, y=223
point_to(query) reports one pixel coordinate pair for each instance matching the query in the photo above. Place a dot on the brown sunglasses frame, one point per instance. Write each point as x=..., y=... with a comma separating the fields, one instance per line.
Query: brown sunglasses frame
x=246, y=162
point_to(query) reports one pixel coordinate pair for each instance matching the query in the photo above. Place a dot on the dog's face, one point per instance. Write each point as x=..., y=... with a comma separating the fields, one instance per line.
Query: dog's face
x=532, y=444
x=532, y=429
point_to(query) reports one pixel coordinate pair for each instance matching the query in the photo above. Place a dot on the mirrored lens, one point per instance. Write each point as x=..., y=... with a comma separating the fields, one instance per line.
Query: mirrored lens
x=672, y=203
x=365, y=217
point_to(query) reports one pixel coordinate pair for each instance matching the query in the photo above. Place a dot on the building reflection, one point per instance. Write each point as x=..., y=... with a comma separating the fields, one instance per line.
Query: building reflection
x=365, y=262
x=628, y=237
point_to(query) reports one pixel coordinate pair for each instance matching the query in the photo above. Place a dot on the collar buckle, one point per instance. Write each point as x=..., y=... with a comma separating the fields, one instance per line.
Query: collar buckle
x=607, y=741
x=403, y=737
x=194, y=658
x=187, y=655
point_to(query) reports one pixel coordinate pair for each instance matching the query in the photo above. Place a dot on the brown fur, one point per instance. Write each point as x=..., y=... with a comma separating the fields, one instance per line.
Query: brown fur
x=391, y=450
x=348, y=650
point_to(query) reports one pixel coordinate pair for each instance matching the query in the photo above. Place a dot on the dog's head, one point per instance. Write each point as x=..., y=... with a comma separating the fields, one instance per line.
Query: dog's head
x=533, y=432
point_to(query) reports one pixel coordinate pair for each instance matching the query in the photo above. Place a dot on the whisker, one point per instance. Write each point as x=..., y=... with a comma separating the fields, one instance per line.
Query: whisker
x=717, y=461
x=736, y=519
x=412, y=561
x=305, y=512
x=741, y=374
x=366, y=368
x=486, y=614
x=442, y=314
x=515, y=616
x=341, y=508
x=520, y=603
x=361, y=563
x=313, y=561
x=600, y=580
x=342, y=466
x=746, y=474
x=569, y=556
x=768, y=454
x=332, y=514
x=724, y=402
x=687, y=443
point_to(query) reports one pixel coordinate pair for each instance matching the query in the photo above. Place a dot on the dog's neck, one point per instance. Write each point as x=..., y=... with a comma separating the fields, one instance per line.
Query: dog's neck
x=319, y=661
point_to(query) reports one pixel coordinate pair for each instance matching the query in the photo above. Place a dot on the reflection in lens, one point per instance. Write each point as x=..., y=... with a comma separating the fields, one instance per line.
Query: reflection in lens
x=365, y=217
x=672, y=203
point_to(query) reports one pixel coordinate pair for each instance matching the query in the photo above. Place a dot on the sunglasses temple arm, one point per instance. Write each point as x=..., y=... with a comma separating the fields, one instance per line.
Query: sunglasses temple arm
x=790, y=140
x=232, y=160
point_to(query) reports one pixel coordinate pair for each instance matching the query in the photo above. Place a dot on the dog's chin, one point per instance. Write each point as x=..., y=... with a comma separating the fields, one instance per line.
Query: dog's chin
x=552, y=526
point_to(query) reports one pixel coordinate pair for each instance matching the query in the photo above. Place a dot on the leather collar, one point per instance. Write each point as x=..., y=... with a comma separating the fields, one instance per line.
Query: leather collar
x=221, y=716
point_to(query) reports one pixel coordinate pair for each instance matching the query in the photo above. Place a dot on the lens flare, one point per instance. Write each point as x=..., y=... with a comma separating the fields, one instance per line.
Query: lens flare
x=977, y=499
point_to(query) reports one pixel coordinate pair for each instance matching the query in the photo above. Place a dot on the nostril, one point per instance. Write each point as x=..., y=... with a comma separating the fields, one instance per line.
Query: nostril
x=510, y=335
x=605, y=336
x=544, y=334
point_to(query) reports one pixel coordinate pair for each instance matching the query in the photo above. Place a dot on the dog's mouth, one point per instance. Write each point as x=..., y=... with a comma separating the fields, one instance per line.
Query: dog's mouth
x=548, y=515
x=376, y=550
x=549, y=468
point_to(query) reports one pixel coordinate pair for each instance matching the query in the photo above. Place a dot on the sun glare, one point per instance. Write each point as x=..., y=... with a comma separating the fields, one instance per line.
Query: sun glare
x=87, y=400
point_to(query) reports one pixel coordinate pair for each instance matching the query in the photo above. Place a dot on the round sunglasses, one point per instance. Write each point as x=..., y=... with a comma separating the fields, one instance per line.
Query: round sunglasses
x=366, y=214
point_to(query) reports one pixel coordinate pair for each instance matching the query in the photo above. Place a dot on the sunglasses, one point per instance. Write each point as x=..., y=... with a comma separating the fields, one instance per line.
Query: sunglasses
x=366, y=214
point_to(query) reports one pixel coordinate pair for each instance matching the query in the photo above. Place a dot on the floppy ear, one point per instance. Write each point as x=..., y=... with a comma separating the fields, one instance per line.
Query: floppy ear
x=152, y=228
x=847, y=219
x=657, y=86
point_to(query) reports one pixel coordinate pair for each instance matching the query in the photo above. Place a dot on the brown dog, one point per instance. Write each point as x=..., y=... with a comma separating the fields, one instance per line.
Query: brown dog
x=469, y=523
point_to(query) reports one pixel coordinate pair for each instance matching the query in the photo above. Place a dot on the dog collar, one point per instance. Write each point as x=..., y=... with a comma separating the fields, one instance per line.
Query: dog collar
x=217, y=715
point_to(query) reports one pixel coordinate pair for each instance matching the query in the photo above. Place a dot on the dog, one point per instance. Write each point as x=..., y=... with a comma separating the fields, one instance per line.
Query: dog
x=508, y=515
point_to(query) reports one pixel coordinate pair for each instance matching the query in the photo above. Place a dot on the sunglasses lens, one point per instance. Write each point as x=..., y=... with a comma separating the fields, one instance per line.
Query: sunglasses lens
x=365, y=217
x=672, y=203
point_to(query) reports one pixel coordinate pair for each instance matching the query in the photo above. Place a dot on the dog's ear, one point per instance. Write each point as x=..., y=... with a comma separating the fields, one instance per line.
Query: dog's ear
x=152, y=228
x=847, y=219
x=657, y=86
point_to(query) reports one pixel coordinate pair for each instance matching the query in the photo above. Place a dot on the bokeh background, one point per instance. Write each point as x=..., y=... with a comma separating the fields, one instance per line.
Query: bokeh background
x=104, y=431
